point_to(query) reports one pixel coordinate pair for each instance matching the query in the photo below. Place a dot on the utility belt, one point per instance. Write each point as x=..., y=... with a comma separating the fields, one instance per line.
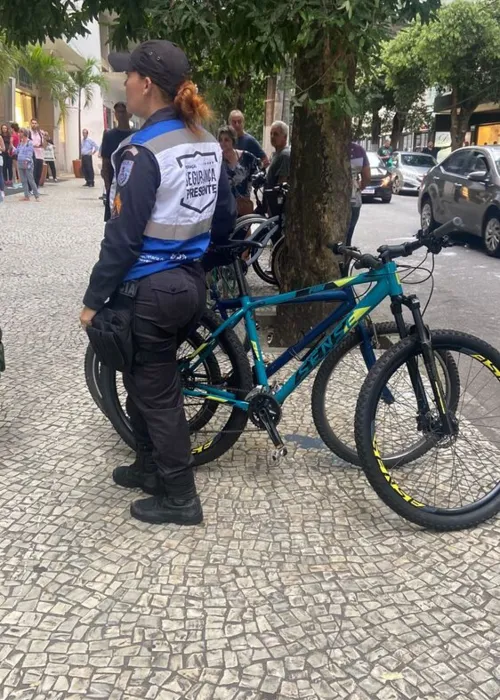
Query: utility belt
x=111, y=332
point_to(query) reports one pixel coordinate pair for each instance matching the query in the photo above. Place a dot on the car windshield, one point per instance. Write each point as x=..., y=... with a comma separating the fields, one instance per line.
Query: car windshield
x=417, y=160
x=375, y=161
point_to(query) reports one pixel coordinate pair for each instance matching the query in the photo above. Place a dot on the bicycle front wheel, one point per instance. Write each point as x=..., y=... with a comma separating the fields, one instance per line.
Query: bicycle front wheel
x=339, y=381
x=455, y=483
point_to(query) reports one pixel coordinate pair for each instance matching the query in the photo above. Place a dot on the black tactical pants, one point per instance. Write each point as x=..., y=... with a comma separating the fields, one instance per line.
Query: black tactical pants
x=167, y=305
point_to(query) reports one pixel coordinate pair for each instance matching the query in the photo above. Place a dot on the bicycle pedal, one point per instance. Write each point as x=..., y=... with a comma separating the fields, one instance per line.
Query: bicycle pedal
x=276, y=455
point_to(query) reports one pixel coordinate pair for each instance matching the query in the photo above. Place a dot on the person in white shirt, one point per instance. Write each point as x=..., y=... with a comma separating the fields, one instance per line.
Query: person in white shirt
x=50, y=157
x=88, y=147
x=38, y=139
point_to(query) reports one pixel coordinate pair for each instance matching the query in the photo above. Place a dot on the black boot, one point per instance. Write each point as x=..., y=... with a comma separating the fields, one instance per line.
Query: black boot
x=142, y=474
x=163, y=509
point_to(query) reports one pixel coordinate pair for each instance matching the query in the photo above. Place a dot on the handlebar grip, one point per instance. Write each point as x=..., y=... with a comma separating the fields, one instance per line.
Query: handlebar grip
x=455, y=224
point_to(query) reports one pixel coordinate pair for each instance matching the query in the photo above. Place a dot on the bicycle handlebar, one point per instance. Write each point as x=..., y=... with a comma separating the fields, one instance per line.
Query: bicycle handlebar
x=432, y=241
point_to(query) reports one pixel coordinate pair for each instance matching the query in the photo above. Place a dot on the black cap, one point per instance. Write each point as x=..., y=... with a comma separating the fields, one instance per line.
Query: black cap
x=161, y=61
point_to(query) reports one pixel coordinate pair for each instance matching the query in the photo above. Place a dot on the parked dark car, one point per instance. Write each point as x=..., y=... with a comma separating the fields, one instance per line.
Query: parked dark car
x=380, y=184
x=466, y=184
x=409, y=169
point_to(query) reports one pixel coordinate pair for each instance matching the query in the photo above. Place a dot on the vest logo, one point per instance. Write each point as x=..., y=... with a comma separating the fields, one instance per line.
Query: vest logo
x=201, y=180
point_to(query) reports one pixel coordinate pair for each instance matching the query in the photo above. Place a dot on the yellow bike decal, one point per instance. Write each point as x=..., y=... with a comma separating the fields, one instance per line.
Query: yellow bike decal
x=489, y=364
x=255, y=349
x=356, y=315
x=201, y=448
x=409, y=499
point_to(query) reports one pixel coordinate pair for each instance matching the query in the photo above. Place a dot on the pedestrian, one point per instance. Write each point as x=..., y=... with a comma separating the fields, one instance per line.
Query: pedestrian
x=26, y=164
x=240, y=166
x=5, y=132
x=385, y=153
x=361, y=177
x=110, y=141
x=279, y=169
x=50, y=157
x=37, y=138
x=246, y=142
x=2, y=182
x=169, y=196
x=88, y=148
x=15, y=143
x=431, y=149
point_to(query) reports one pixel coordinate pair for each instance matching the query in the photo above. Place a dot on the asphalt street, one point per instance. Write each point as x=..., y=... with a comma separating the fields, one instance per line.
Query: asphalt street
x=466, y=281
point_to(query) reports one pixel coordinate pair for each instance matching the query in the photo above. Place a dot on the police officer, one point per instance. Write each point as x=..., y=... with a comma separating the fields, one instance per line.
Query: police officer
x=169, y=195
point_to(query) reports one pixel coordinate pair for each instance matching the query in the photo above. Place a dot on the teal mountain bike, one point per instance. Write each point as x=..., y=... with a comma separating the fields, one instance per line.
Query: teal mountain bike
x=427, y=423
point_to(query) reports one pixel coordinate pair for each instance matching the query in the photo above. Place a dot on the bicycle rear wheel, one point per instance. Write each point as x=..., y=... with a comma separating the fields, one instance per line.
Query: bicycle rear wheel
x=214, y=426
x=455, y=483
x=92, y=368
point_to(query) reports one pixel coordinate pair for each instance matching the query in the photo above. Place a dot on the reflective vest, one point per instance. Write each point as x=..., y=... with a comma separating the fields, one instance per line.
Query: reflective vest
x=178, y=230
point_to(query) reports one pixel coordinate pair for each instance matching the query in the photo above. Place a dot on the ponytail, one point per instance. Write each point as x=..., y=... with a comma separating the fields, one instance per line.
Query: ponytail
x=190, y=106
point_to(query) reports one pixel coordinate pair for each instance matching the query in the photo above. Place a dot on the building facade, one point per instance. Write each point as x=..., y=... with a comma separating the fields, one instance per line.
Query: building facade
x=21, y=100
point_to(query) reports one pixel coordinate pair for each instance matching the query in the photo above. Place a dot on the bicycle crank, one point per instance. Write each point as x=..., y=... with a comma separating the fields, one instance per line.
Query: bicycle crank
x=265, y=412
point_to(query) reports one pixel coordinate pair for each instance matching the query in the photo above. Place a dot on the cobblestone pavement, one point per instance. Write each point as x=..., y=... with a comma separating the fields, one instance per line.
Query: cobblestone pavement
x=300, y=583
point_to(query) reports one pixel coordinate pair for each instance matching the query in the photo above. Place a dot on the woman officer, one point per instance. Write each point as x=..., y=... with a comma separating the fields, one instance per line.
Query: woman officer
x=169, y=195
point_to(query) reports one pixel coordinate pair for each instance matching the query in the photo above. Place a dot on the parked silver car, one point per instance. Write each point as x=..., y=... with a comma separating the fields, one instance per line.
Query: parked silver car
x=409, y=169
x=466, y=184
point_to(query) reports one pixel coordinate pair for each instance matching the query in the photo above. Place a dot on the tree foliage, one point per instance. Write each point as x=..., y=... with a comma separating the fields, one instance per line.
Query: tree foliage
x=47, y=71
x=461, y=53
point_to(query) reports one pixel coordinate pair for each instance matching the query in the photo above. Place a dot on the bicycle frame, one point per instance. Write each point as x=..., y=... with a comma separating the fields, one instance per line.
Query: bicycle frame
x=345, y=318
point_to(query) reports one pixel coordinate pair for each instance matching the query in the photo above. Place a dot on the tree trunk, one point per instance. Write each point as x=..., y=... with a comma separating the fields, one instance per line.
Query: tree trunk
x=398, y=125
x=318, y=207
x=461, y=113
x=80, y=124
x=376, y=126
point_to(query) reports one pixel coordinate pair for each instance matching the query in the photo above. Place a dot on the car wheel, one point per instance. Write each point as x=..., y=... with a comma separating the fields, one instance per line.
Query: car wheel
x=387, y=198
x=427, y=220
x=396, y=185
x=491, y=235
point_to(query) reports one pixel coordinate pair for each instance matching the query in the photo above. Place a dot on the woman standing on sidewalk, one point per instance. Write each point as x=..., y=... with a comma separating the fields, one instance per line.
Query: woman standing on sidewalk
x=2, y=184
x=50, y=157
x=5, y=132
x=14, y=142
x=25, y=153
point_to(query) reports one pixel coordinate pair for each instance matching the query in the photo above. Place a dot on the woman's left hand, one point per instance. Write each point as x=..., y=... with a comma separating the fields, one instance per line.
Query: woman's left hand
x=86, y=316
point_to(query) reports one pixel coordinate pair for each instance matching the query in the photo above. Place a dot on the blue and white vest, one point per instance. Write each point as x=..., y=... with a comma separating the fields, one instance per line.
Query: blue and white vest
x=178, y=230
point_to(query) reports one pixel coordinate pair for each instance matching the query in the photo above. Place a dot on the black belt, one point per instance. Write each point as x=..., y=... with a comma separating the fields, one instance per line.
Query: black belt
x=129, y=289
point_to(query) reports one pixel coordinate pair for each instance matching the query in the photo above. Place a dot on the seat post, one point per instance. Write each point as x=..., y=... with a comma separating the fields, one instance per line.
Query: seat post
x=240, y=277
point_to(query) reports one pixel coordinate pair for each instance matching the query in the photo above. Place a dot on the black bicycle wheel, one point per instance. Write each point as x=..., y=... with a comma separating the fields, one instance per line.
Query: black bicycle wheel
x=214, y=426
x=338, y=383
x=278, y=261
x=455, y=484
x=92, y=368
x=263, y=265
